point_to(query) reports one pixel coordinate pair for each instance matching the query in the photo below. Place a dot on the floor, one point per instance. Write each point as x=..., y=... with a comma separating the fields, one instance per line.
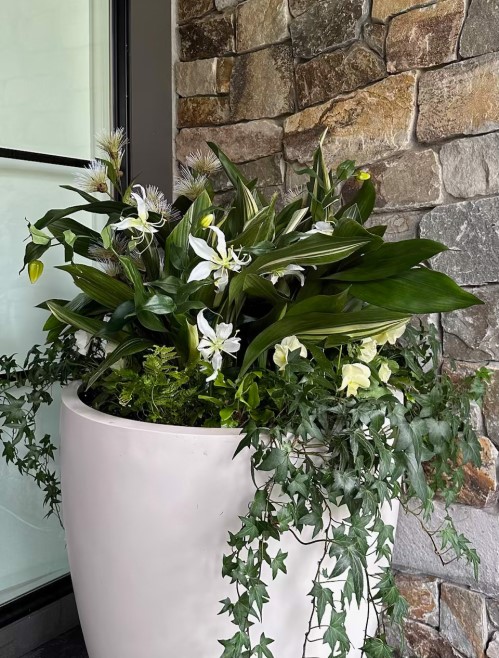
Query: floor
x=69, y=645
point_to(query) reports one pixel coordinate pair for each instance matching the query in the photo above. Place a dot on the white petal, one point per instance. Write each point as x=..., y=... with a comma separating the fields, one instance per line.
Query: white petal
x=125, y=223
x=294, y=268
x=221, y=279
x=216, y=361
x=141, y=203
x=232, y=345
x=280, y=357
x=202, y=248
x=221, y=244
x=224, y=330
x=201, y=271
x=204, y=326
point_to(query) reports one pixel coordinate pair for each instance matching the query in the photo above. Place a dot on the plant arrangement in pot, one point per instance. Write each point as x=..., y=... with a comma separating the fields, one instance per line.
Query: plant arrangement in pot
x=251, y=397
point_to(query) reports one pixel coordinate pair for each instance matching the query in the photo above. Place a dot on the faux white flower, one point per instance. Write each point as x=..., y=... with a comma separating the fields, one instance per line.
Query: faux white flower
x=205, y=163
x=140, y=224
x=390, y=335
x=93, y=178
x=283, y=350
x=82, y=339
x=289, y=270
x=326, y=228
x=368, y=350
x=113, y=144
x=384, y=373
x=214, y=342
x=190, y=185
x=355, y=376
x=219, y=261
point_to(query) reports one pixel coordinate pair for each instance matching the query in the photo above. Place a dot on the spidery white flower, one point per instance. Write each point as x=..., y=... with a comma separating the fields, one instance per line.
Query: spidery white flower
x=190, y=185
x=93, y=178
x=284, y=349
x=203, y=162
x=216, y=341
x=113, y=144
x=290, y=270
x=294, y=194
x=140, y=224
x=156, y=202
x=220, y=261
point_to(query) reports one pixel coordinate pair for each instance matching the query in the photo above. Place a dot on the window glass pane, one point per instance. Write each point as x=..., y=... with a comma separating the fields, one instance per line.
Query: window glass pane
x=53, y=54
x=55, y=95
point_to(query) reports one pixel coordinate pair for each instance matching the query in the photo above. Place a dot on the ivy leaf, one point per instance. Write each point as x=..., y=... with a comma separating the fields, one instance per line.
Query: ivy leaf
x=259, y=504
x=278, y=564
x=262, y=648
x=323, y=596
x=233, y=648
x=275, y=457
x=376, y=647
x=336, y=634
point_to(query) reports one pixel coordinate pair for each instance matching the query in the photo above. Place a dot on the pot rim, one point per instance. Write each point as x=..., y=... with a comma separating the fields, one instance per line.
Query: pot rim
x=72, y=401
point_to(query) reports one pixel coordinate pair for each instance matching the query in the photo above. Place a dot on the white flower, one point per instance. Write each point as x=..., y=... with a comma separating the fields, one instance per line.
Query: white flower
x=93, y=178
x=214, y=342
x=368, y=350
x=325, y=228
x=220, y=262
x=289, y=270
x=203, y=162
x=294, y=194
x=384, y=373
x=283, y=350
x=140, y=224
x=190, y=185
x=113, y=144
x=82, y=339
x=156, y=202
x=390, y=335
x=355, y=376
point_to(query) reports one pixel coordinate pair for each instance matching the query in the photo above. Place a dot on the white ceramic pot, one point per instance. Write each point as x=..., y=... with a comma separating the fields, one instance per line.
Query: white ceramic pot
x=147, y=509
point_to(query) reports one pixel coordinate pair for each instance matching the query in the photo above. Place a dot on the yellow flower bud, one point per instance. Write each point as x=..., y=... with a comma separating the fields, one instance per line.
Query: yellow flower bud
x=35, y=269
x=362, y=175
x=207, y=220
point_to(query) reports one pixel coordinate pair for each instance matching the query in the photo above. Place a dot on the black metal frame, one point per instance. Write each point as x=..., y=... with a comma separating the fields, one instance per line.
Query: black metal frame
x=120, y=30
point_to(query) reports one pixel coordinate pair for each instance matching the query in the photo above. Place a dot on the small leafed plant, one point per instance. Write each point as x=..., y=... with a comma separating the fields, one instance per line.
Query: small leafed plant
x=292, y=323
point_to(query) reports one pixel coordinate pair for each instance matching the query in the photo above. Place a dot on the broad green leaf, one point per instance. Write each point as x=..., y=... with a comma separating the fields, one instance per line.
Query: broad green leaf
x=319, y=304
x=363, y=202
x=229, y=167
x=98, y=285
x=159, y=305
x=315, y=249
x=65, y=315
x=178, y=240
x=418, y=291
x=34, y=252
x=96, y=207
x=319, y=326
x=390, y=259
x=127, y=348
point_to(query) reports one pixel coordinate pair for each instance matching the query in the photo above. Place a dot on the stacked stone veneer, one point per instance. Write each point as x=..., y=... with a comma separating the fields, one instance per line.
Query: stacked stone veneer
x=410, y=89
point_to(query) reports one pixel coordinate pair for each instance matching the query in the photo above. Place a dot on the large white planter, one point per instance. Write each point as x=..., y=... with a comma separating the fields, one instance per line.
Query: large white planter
x=147, y=509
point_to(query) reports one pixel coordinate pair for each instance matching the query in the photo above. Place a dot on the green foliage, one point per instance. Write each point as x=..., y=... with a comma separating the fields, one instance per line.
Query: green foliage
x=250, y=317
x=156, y=393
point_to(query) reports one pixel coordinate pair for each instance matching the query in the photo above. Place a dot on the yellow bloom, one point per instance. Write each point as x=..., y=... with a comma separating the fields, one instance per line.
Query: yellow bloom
x=368, y=350
x=363, y=175
x=390, y=335
x=384, y=373
x=355, y=376
x=282, y=351
x=207, y=220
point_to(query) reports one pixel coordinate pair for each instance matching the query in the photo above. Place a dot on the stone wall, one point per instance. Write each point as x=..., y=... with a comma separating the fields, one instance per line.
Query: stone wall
x=410, y=89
